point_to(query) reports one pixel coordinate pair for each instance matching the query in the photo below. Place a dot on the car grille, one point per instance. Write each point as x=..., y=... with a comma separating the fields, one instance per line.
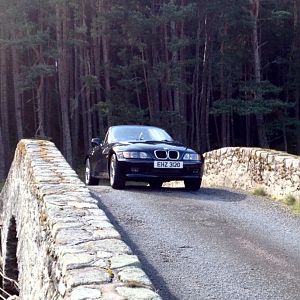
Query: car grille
x=173, y=154
x=166, y=154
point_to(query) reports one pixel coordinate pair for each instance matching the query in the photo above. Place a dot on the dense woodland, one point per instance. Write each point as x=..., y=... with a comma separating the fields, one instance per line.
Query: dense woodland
x=213, y=73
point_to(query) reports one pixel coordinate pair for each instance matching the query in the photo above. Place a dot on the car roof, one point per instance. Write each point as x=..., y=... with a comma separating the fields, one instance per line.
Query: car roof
x=134, y=126
x=141, y=126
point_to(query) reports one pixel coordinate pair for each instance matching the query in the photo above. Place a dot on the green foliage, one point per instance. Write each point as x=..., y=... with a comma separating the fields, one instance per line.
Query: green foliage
x=156, y=49
x=263, y=89
x=261, y=99
x=29, y=76
x=91, y=82
x=281, y=15
x=290, y=200
x=172, y=121
x=251, y=107
x=259, y=192
x=123, y=112
x=175, y=12
x=296, y=208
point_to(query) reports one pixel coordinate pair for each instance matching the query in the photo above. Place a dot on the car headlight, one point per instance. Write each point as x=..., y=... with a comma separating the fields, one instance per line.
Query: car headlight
x=192, y=156
x=133, y=155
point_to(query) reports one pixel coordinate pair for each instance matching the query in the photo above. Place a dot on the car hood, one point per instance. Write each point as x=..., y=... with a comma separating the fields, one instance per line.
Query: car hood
x=148, y=146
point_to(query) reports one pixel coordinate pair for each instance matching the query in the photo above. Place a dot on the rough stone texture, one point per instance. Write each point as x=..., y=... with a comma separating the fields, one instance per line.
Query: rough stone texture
x=66, y=247
x=277, y=173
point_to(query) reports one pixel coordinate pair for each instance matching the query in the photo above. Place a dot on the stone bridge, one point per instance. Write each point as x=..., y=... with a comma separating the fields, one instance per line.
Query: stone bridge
x=57, y=244
x=276, y=173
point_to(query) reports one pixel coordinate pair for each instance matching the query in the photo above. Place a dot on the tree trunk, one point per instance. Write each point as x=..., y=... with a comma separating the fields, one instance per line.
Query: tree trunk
x=88, y=99
x=177, y=119
x=195, y=134
x=98, y=96
x=97, y=59
x=230, y=123
x=204, y=101
x=2, y=157
x=4, y=106
x=183, y=79
x=63, y=75
x=17, y=96
x=208, y=99
x=224, y=117
x=154, y=86
x=254, y=11
x=106, y=62
x=41, y=107
x=83, y=100
x=75, y=106
x=297, y=98
x=168, y=72
x=295, y=63
x=149, y=99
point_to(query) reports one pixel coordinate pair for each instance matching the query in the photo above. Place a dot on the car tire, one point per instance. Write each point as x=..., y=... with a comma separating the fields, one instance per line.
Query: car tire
x=116, y=178
x=155, y=184
x=192, y=184
x=89, y=179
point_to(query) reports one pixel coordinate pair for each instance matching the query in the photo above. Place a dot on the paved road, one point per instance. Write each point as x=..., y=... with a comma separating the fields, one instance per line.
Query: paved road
x=211, y=244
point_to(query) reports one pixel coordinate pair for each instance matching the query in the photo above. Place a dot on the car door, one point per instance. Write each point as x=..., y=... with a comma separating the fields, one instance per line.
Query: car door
x=94, y=155
x=101, y=157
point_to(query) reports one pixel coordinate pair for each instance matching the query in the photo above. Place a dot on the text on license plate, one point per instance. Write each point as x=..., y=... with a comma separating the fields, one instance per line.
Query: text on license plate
x=168, y=164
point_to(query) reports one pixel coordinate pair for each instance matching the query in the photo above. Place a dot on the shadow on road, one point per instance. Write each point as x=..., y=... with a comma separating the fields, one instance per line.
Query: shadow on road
x=214, y=194
x=158, y=282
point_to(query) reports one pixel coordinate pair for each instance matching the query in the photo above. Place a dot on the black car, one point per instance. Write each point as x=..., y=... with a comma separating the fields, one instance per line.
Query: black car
x=142, y=153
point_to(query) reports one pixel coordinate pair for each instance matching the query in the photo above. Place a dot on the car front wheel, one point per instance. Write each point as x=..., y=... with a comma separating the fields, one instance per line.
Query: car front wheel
x=89, y=179
x=192, y=184
x=116, y=178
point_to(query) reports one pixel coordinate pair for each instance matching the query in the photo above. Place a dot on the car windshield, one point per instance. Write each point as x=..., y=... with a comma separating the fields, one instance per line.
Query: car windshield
x=138, y=133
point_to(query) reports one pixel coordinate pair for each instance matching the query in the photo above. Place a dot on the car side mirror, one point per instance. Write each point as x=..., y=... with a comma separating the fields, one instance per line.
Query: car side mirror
x=96, y=142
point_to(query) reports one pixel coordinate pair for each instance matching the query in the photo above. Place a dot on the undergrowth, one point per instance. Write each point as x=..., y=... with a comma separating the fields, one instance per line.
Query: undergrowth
x=296, y=208
x=292, y=202
x=259, y=192
x=289, y=200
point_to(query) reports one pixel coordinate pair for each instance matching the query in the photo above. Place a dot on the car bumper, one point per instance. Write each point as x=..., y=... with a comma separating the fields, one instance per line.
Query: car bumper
x=136, y=170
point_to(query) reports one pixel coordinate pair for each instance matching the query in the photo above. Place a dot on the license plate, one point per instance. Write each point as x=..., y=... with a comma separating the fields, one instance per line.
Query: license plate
x=168, y=164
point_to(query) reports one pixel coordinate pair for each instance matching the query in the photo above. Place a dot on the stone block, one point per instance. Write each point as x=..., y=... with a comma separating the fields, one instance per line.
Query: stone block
x=137, y=293
x=86, y=293
x=122, y=261
x=86, y=276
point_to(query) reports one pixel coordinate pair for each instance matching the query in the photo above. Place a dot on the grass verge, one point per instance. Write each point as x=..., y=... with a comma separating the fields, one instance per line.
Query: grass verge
x=292, y=202
x=289, y=200
x=259, y=192
x=296, y=208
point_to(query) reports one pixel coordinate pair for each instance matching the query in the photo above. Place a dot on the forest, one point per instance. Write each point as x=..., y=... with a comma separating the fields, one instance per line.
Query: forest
x=212, y=73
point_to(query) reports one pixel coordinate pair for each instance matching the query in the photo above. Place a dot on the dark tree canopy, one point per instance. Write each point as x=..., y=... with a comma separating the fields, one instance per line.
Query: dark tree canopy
x=212, y=73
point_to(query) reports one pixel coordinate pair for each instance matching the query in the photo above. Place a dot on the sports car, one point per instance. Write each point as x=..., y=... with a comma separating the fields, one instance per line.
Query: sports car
x=142, y=153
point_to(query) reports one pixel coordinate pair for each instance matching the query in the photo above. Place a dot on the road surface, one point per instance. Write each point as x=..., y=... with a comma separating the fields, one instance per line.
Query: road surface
x=211, y=244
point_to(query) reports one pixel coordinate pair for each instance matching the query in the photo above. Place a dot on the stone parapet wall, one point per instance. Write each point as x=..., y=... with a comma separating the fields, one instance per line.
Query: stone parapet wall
x=277, y=173
x=66, y=247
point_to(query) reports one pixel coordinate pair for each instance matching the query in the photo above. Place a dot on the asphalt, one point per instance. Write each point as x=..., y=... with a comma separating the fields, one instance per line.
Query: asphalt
x=211, y=244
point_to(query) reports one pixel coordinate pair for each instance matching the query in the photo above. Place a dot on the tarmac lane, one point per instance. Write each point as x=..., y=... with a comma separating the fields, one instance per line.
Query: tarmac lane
x=210, y=244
